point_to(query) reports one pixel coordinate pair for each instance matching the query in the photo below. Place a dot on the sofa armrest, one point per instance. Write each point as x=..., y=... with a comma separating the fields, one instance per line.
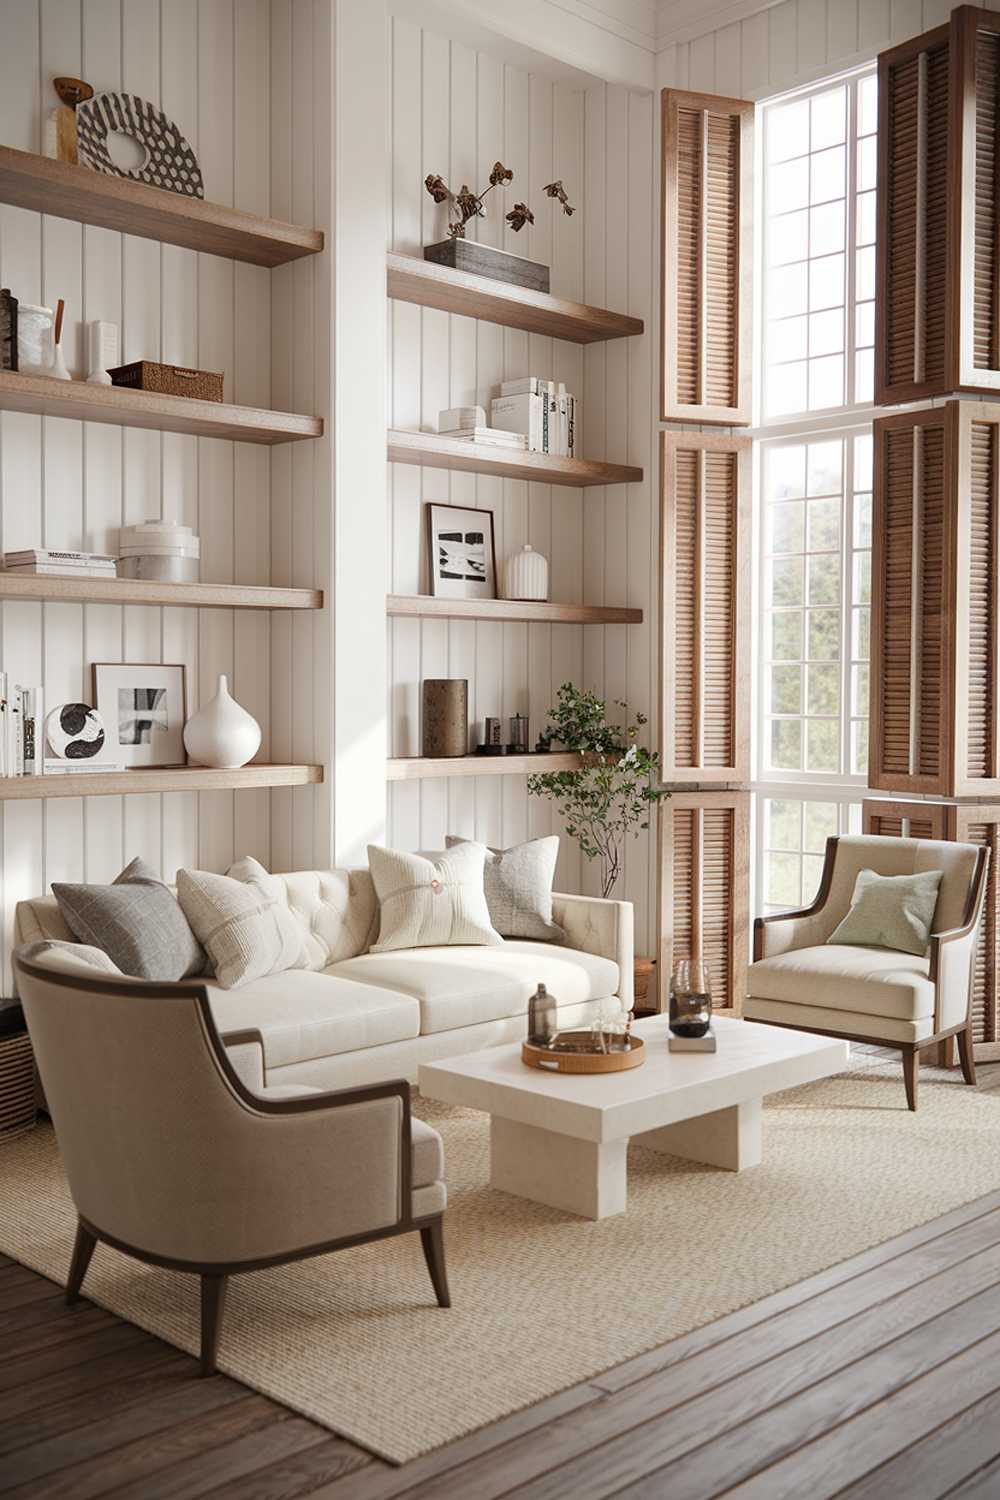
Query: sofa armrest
x=604, y=928
x=245, y=1050
x=953, y=955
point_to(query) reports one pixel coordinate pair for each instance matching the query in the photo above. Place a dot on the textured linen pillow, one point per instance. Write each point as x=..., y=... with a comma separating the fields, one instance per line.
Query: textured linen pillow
x=136, y=922
x=247, y=933
x=890, y=911
x=518, y=885
x=70, y=958
x=429, y=903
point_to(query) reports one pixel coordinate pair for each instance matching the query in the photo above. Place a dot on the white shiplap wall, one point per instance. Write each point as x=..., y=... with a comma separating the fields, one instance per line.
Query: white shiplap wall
x=455, y=111
x=68, y=484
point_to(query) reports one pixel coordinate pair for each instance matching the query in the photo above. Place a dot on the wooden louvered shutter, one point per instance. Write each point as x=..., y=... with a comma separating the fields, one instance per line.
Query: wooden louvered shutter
x=937, y=298
x=704, y=888
x=707, y=239
x=907, y=820
x=705, y=593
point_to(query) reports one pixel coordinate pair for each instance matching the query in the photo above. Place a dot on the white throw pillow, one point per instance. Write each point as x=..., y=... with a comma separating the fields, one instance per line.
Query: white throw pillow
x=245, y=931
x=518, y=884
x=251, y=872
x=429, y=903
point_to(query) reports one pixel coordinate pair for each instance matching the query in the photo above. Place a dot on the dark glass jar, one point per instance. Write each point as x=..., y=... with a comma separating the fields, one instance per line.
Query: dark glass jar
x=690, y=999
x=541, y=1018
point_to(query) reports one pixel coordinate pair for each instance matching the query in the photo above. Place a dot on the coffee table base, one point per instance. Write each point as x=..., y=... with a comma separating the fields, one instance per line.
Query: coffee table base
x=591, y=1179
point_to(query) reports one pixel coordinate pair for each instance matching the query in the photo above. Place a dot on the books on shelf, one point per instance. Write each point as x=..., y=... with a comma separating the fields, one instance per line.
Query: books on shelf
x=22, y=728
x=489, y=435
x=81, y=767
x=545, y=413
x=42, y=560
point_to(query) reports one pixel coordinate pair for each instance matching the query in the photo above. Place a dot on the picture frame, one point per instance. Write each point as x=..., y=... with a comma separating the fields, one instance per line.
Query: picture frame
x=144, y=708
x=461, y=552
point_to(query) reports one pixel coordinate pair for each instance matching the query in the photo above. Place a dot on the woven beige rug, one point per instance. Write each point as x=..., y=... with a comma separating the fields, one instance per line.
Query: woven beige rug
x=355, y=1340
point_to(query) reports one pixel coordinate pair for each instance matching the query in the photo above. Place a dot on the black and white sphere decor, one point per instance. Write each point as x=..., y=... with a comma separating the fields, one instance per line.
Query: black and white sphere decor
x=75, y=731
x=169, y=162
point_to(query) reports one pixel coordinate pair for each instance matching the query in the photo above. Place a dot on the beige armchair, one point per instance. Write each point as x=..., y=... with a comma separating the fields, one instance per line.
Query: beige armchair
x=170, y=1158
x=801, y=980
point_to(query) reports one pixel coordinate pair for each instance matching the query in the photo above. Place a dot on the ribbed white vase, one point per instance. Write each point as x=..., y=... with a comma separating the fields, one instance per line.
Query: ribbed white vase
x=222, y=734
x=526, y=575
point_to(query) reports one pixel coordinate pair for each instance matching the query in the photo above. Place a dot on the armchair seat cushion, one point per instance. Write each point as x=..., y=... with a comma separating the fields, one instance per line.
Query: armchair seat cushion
x=464, y=986
x=838, y=977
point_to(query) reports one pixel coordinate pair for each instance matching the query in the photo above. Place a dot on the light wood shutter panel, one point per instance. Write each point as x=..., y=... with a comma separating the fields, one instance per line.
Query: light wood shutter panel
x=937, y=303
x=971, y=823
x=704, y=889
x=707, y=238
x=705, y=593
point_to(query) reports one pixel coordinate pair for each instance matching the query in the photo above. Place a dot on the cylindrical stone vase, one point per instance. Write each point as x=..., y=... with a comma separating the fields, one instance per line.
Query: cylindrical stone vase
x=445, y=717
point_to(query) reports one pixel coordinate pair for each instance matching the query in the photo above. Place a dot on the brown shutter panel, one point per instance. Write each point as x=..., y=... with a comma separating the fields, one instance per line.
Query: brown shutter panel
x=972, y=823
x=705, y=589
x=937, y=304
x=707, y=238
x=704, y=889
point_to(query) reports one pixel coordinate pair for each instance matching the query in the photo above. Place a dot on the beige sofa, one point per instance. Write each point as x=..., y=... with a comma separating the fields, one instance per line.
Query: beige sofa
x=364, y=1017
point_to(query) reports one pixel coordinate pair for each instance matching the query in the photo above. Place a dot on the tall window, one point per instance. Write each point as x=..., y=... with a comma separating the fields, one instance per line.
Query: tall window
x=815, y=479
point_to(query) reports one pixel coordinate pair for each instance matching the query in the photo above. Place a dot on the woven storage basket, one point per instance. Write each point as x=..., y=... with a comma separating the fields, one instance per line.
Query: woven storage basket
x=17, y=1086
x=168, y=380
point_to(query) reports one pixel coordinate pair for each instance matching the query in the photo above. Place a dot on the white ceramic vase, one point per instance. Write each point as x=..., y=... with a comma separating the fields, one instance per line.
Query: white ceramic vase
x=222, y=734
x=526, y=575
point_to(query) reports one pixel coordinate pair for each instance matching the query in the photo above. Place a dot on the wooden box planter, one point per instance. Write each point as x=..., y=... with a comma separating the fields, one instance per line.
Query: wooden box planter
x=18, y=1111
x=646, y=986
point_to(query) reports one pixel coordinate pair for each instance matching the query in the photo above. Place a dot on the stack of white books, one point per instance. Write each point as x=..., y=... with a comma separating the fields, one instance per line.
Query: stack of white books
x=43, y=560
x=469, y=424
x=544, y=412
x=54, y=767
x=22, y=728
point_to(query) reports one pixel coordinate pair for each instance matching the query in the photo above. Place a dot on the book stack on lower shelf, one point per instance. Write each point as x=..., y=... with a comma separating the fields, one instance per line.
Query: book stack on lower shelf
x=43, y=562
x=22, y=732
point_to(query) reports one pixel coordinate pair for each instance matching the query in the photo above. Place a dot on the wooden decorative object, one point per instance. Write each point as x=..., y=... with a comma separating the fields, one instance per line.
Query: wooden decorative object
x=644, y=982
x=705, y=549
x=169, y=162
x=938, y=262
x=935, y=558
x=444, y=718
x=486, y=261
x=18, y=1111
x=704, y=859
x=707, y=161
x=584, y=1061
x=968, y=823
x=168, y=380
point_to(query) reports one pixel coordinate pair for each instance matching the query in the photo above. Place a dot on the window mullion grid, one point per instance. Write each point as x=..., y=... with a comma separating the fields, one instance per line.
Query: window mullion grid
x=846, y=605
x=851, y=230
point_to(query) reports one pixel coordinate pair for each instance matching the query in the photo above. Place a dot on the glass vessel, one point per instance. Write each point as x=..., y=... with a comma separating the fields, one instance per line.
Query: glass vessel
x=541, y=1018
x=690, y=998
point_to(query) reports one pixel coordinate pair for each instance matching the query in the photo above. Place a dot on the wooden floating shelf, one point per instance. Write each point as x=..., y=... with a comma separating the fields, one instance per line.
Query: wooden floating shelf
x=429, y=285
x=429, y=450
x=425, y=607
x=68, y=192
x=169, y=779
x=418, y=768
x=138, y=591
x=41, y=397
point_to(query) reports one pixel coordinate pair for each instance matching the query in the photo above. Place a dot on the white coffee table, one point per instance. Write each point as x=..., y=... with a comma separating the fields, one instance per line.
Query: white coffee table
x=562, y=1139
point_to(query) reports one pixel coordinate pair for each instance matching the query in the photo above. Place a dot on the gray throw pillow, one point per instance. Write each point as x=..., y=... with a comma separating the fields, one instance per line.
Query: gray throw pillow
x=518, y=884
x=136, y=921
x=890, y=911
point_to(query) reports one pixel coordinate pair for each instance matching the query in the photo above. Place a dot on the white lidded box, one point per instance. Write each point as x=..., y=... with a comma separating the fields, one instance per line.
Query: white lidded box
x=159, y=551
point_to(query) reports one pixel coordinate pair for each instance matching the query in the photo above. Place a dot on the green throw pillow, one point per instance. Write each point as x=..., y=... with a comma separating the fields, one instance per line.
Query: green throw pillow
x=890, y=911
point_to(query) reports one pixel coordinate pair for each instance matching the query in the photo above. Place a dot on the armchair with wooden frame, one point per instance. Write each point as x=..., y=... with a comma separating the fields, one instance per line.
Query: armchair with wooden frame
x=867, y=994
x=172, y=1159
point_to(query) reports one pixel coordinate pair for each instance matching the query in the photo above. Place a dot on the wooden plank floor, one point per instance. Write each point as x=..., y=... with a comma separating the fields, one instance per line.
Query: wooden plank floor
x=877, y=1379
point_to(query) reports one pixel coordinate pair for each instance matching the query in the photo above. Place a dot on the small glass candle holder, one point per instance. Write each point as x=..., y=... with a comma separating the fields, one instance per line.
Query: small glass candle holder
x=690, y=999
x=518, y=744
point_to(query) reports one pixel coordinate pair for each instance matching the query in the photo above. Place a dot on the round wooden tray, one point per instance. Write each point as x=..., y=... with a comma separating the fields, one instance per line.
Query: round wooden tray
x=582, y=1062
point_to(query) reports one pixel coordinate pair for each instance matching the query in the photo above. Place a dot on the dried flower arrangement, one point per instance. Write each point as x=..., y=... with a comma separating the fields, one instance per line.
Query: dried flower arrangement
x=469, y=205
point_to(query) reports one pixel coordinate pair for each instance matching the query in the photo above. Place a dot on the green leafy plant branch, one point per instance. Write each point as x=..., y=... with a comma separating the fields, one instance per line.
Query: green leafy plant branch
x=608, y=798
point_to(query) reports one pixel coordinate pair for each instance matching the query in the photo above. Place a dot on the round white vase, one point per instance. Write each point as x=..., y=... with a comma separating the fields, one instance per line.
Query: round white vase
x=526, y=575
x=222, y=734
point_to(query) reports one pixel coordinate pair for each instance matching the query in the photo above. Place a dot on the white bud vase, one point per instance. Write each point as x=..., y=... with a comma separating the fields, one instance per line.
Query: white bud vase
x=526, y=575
x=222, y=734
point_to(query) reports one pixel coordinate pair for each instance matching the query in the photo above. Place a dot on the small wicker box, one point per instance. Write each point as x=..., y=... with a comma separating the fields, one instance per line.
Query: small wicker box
x=168, y=380
x=18, y=1111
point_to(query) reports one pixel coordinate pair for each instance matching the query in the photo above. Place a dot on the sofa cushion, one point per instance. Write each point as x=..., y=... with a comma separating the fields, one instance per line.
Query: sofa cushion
x=136, y=921
x=427, y=902
x=301, y=1015
x=70, y=958
x=247, y=933
x=890, y=911
x=518, y=885
x=464, y=986
x=872, y=981
x=336, y=909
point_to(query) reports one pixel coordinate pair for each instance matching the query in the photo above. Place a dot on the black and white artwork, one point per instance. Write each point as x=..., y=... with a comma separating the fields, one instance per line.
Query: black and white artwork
x=168, y=158
x=462, y=556
x=144, y=708
x=75, y=731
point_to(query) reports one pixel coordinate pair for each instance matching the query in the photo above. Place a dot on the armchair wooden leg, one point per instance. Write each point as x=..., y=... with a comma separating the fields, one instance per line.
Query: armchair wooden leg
x=213, y=1302
x=432, y=1239
x=911, y=1065
x=83, y=1249
x=966, y=1056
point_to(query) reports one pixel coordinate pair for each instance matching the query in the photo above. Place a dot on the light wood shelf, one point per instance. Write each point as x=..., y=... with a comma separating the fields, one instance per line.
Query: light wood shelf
x=425, y=607
x=138, y=591
x=42, y=397
x=429, y=450
x=88, y=197
x=428, y=285
x=419, y=768
x=169, y=779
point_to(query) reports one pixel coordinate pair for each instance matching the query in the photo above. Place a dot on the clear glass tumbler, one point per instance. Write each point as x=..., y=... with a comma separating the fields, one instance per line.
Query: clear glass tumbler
x=690, y=998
